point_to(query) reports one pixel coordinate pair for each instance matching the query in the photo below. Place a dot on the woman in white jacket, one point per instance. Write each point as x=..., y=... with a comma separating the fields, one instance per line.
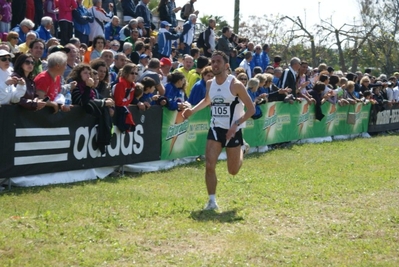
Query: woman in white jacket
x=11, y=88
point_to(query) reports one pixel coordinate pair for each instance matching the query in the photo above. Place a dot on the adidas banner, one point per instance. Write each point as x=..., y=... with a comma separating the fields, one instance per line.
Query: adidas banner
x=43, y=142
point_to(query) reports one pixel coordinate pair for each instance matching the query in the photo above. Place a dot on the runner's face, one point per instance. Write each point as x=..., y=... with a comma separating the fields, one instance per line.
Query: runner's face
x=218, y=65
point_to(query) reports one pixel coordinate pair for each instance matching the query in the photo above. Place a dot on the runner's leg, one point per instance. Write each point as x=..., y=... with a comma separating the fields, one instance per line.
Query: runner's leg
x=212, y=152
x=234, y=159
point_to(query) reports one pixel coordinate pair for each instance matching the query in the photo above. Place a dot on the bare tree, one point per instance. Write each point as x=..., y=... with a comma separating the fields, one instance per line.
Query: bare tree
x=383, y=43
x=300, y=31
x=356, y=35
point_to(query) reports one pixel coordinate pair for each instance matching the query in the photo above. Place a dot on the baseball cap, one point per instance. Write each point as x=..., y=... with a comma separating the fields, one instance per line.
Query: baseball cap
x=57, y=48
x=142, y=56
x=165, y=23
x=165, y=61
x=5, y=53
x=396, y=73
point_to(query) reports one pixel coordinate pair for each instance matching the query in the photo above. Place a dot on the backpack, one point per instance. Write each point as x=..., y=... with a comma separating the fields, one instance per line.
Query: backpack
x=182, y=12
x=201, y=40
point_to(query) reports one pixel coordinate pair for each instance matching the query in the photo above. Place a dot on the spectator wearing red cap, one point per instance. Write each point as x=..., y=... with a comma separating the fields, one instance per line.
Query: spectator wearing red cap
x=165, y=38
x=166, y=65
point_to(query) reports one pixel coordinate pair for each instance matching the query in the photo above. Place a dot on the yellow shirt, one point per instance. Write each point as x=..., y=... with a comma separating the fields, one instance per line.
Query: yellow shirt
x=23, y=48
x=86, y=3
x=193, y=77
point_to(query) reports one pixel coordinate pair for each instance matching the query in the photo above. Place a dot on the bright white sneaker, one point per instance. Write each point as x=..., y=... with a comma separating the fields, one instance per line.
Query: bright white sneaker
x=245, y=148
x=211, y=205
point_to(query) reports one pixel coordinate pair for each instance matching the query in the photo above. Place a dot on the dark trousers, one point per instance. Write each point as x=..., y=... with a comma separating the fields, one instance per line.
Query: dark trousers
x=82, y=37
x=66, y=31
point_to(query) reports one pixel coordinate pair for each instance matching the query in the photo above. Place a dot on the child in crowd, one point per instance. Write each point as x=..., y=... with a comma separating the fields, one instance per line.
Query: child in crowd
x=148, y=97
x=367, y=98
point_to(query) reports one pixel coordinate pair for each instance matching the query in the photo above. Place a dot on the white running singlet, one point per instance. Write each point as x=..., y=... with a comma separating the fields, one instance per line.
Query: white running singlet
x=225, y=107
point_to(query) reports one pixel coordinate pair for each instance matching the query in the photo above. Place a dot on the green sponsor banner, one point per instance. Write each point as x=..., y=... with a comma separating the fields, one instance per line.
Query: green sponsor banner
x=281, y=122
x=183, y=138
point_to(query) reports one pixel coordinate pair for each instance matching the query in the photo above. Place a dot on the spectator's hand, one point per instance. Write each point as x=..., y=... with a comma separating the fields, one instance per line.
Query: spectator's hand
x=1, y=17
x=54, y=105
x=73, y=85
x=12, y=80
x=21, y=81
x=147, y=105
x=109, y=102
x=111, y=6
x=90, y=82
x=163, y=102
x=141, y=106
x=186, y=113
x=304, y=84
x=40, y=104
x=196, y=12
x=65, y=108
x=264, y=95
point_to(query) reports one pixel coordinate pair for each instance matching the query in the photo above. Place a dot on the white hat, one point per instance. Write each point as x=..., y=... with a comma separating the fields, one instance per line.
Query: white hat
x=5, y=53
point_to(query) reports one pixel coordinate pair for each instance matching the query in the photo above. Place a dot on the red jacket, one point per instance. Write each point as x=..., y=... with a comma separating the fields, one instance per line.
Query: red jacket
x=65, y=9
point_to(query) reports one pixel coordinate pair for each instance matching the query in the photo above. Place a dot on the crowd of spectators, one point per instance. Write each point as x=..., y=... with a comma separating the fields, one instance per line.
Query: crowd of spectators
x=108, y=63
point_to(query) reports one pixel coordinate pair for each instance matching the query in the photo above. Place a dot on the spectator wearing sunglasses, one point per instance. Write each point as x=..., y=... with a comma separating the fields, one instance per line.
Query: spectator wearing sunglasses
x=12, y=42
x=23, y=69
x=11, y=88
x=124, y=96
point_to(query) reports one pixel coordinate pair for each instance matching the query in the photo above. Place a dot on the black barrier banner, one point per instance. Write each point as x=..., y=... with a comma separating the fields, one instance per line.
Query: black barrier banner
x=42, y=142
x=384, y=118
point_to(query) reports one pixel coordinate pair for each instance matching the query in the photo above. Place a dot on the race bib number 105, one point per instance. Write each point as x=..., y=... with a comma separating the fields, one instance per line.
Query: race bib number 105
x=221, y=110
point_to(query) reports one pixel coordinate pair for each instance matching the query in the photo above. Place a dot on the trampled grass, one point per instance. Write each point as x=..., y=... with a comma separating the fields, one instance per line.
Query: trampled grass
x=330, y=204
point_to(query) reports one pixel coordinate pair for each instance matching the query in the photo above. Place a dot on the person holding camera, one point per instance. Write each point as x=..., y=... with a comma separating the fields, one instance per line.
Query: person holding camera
x=11, y=88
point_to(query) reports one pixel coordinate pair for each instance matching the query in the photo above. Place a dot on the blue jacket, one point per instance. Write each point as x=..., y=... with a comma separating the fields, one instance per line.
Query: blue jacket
x=165, y=41
x=197, y=92
x=43, y=34
x=143, y=11
x=21, y=34
x=81, y=19
x=174, y=96
x=265, y=60
x=187, y=35
x=147, y=97
x=111, y=32
x=128, y=8
x=258, y=111
x=256, y=61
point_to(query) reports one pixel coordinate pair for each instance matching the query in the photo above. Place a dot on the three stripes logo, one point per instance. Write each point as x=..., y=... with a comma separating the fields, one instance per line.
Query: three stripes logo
x=41, y=145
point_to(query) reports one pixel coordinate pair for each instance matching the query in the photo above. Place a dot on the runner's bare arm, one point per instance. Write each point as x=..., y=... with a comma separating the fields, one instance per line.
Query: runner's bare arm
x=202, y=104
x=239, y=90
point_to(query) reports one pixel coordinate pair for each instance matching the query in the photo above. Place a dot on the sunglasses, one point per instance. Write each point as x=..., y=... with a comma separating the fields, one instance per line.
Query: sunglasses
x=243, y=79
x=4, y=59
x=134, y=73
x=15, y=38
x=29, y=62
x=115, y=45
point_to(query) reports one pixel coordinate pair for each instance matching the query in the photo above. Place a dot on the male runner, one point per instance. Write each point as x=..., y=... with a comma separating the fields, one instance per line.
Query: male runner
x=227, y=97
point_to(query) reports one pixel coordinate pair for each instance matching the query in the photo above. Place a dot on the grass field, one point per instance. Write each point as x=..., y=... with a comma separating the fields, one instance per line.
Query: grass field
x=330, y=204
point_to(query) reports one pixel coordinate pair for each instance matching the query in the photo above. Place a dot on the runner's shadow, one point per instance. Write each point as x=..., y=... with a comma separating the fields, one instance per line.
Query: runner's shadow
x=211, y=215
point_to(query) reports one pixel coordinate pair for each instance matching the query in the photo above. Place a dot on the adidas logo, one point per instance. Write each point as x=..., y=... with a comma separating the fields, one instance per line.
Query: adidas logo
x=219, y=90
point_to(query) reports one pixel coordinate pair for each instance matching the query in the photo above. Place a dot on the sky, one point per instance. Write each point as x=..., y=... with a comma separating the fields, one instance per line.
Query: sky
x=342, y=11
